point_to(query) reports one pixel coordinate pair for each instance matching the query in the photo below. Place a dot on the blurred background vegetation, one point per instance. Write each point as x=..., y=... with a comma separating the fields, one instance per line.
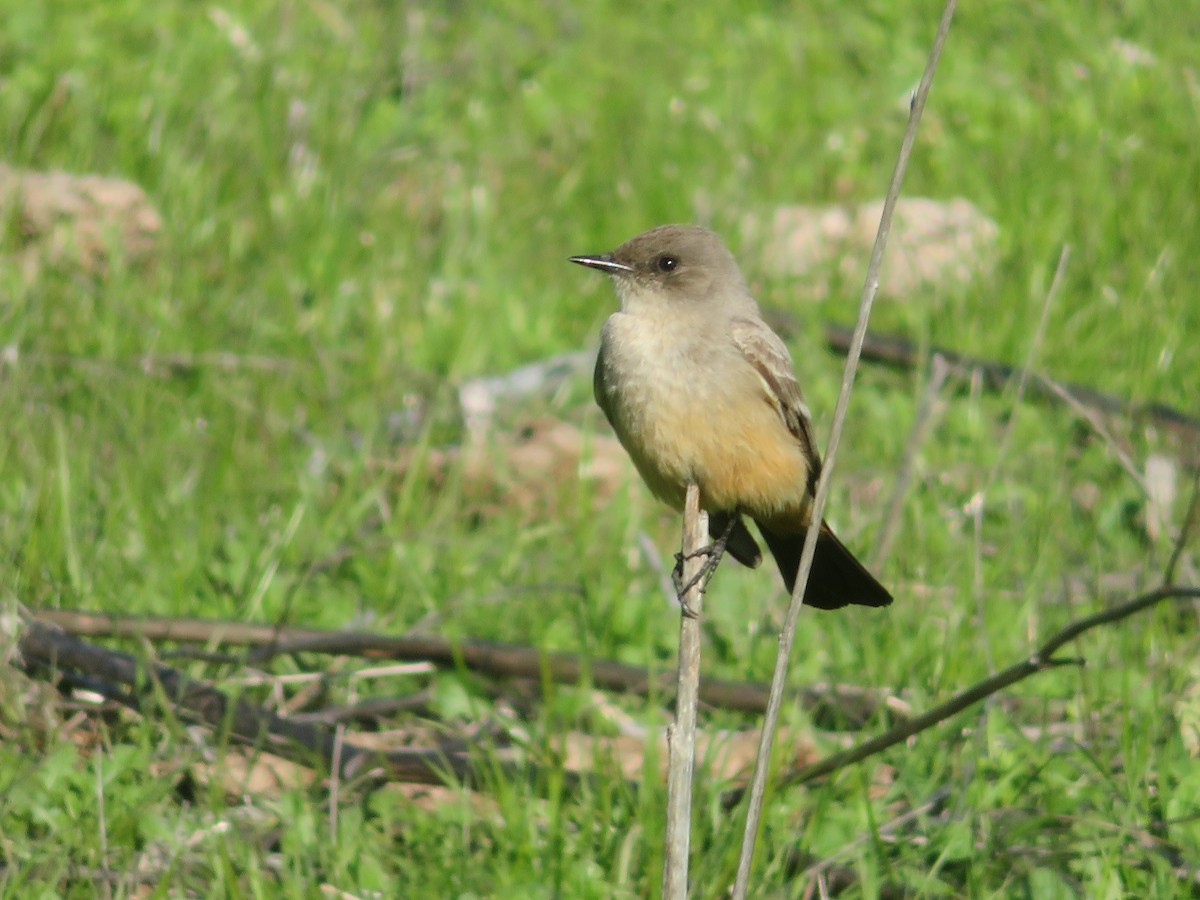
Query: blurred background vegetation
x=356, y=206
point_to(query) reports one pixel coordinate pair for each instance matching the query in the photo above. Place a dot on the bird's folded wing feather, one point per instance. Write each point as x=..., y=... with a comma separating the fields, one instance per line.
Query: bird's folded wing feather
x=764, y=350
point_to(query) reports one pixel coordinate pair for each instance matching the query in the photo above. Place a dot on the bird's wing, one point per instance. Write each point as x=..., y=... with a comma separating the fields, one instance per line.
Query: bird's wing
x=600, y=387
x=763, y=349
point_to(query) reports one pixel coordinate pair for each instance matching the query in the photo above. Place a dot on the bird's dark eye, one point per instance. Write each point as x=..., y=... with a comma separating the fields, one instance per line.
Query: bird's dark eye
x=666, y=263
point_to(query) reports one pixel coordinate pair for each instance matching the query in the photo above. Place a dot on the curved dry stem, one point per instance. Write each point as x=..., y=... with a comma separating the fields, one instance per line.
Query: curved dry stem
x=1041, y=659
x=870, y=286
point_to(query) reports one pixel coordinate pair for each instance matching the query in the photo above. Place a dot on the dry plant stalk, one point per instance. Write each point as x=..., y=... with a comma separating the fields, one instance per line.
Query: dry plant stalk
x=978, y=502
x=681, y=737
x=870, y=286
x=926, y=409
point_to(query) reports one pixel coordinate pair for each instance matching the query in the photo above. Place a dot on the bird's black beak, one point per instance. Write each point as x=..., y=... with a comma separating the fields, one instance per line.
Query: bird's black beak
x=604, y=262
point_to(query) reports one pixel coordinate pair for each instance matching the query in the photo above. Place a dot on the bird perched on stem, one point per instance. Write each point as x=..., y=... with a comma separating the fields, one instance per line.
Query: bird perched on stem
x=699, y=388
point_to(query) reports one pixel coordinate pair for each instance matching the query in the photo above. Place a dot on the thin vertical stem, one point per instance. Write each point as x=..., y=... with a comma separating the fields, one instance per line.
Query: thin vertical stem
x=681, y=737
x=871, y=285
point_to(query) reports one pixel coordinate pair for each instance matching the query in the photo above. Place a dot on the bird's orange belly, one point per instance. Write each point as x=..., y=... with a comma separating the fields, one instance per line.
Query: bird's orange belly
x=742, y=457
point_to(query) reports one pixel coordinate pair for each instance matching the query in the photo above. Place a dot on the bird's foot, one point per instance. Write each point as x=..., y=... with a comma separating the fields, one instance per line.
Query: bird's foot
x=712, y=554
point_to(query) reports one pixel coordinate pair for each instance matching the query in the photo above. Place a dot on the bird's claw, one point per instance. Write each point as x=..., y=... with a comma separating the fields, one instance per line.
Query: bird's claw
x=712, y=553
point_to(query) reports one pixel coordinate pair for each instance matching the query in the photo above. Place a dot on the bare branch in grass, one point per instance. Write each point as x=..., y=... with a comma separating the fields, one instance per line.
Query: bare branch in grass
x=167, y=364
x=850, y=704
x=194, y=700
x=1094, y=419
x=893, y=350
x=1023, y=377
x=103, y=670
x=368, y=710
x=1041, y=659
x=810, y=868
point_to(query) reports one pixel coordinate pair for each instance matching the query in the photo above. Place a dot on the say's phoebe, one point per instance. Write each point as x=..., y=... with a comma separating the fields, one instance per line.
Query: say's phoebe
x=699, y=389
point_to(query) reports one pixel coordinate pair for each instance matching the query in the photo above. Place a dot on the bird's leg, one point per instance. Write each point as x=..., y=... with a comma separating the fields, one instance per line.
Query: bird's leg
x=712, y=552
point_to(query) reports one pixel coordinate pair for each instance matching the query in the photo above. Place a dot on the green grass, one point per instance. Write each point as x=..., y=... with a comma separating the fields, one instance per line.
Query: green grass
x=379, y=199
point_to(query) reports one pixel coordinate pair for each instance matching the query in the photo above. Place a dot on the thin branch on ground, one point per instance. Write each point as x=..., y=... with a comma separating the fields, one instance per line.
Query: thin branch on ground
x=193, y=700
x=1040, y=660
x=853, y=704
x=870, y=287
x=159, y=365
x=368, y=710
x=101, y=670
x=893, y=350
x=1026, y=370
x=815, y=868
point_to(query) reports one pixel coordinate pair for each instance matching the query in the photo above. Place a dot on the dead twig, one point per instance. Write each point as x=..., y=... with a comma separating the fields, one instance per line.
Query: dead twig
x=893, y=350
x=1190, y=520
x=979, y=501
x=98, y=669
x=848, y=703
x=809, y=868
x=368, y=710
x=870, y=287
x=681, y=736
x=1040, y=660
x=938, y=370
x=167, y=364
x=45, y=645
x=1093, y=418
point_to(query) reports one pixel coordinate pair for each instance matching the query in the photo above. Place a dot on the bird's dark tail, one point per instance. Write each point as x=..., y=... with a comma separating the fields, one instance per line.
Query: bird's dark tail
x=741, y=545
x=837, y=578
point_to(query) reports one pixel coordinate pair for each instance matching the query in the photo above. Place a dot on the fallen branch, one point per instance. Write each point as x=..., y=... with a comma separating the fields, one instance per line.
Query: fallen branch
x=194, y=700
x=44, y=644
x=1040, y=660
x=897, y=351
x=854, y=705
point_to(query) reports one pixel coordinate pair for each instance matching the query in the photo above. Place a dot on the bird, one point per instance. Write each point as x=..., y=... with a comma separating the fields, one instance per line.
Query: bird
x=699, y=388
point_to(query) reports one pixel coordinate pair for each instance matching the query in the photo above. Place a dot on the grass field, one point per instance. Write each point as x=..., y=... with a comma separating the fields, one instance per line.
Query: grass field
x=366, y=203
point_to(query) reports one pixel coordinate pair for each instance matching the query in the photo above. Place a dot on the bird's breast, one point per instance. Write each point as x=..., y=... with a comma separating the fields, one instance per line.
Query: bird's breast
x=687, y=406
